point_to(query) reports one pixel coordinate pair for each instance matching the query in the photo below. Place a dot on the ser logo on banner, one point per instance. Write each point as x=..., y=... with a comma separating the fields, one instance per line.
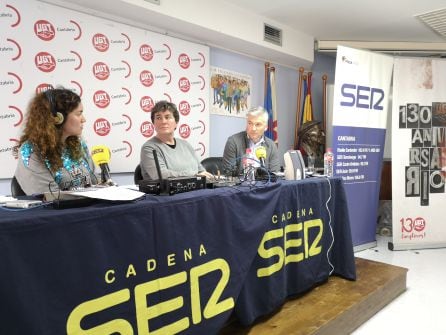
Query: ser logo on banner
x=362, y=96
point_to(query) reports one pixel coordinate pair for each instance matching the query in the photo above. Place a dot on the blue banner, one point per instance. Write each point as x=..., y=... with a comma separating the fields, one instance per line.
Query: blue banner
x=180, y=264
x=360, y=107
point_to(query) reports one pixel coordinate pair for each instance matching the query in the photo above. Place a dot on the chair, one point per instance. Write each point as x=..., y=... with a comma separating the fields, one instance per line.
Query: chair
x=137, y=175
x=16, y=189
x=213, y=165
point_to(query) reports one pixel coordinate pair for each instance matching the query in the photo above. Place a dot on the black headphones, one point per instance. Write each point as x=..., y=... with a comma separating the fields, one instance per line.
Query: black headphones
x=58, y=116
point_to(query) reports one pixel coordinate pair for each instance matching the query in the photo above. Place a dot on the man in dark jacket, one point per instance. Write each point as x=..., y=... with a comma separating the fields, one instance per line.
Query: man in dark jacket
x=253, y=137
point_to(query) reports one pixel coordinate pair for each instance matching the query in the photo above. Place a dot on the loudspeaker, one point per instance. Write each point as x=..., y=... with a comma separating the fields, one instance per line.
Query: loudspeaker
x=294, y=165
x=58, y=116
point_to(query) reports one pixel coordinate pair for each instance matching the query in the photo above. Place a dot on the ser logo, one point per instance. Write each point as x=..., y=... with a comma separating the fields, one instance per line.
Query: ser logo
x=195, y=304
x=362, y=97
x=275, y=243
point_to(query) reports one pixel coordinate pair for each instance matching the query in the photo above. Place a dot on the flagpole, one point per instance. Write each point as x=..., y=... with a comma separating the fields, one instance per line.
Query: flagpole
x=266, y=78
x=324, y=103
x=275, y=121
x=304, y=95
x=299, y=96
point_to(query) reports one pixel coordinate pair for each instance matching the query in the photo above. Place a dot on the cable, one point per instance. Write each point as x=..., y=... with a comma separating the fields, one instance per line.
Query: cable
x=329, y=224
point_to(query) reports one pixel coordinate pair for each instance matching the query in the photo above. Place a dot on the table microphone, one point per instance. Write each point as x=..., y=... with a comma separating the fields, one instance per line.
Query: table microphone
x=101, y=157
x=261, y=155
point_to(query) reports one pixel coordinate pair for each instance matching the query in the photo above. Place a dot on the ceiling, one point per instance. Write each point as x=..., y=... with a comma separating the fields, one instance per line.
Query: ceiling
x=378, y=20
x=391, y=24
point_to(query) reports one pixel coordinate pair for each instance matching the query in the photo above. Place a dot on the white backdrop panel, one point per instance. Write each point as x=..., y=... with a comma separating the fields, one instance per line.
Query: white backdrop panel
x=120, y=72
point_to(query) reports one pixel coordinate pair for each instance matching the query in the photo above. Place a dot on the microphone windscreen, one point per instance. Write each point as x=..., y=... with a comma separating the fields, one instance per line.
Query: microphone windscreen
x=100, y=154
x=260, y=152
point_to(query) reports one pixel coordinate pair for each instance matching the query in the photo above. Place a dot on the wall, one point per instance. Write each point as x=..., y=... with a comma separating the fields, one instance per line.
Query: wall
x=221, y=25
x=286, y=85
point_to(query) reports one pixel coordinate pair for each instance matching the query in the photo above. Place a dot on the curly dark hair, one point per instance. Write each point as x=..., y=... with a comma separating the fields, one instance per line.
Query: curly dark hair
x=162, y=106
x=42, y=131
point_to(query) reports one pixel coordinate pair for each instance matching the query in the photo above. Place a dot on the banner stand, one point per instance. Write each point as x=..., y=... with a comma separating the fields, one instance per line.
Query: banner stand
x=361, y=95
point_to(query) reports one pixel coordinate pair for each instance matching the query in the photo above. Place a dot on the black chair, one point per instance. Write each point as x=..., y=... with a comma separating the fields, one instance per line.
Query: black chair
x=213, y=165
x=16, y=189
x=137, y=175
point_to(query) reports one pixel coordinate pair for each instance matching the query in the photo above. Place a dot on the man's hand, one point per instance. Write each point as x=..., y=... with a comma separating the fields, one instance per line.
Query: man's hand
x=209, y=176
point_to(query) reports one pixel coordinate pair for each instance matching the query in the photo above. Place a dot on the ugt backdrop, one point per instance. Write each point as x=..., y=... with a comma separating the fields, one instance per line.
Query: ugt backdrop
x=119, y=71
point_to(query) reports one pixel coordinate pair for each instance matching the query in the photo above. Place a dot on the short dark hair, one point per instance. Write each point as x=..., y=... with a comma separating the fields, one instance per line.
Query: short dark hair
x=162, y=106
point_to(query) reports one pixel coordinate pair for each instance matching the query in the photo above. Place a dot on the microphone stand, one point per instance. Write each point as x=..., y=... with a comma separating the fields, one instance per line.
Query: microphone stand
x=105, y=175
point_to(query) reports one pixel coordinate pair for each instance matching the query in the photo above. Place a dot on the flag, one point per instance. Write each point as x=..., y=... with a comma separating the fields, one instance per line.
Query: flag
x=272, y=80
x=270, y=104
x=308, y=106
x=304, y=94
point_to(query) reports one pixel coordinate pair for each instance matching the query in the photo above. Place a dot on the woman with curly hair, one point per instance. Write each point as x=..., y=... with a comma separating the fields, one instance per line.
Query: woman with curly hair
x=51, y=152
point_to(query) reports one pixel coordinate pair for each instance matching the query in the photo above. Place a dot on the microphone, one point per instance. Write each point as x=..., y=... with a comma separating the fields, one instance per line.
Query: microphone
x=101, y=157
x=261, y=155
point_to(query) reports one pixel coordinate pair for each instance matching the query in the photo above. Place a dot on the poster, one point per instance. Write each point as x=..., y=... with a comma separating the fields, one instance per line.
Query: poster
x=418, y=153
x=230, y=92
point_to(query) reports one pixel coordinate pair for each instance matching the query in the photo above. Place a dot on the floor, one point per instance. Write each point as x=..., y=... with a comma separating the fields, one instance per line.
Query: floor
x=422, y=308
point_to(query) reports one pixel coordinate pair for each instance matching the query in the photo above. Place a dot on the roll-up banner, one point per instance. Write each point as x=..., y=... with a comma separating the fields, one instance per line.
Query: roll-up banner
x=360, y=105
x=418, y=153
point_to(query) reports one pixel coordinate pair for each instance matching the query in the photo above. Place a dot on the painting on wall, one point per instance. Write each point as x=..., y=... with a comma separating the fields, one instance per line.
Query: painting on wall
x=230, y=92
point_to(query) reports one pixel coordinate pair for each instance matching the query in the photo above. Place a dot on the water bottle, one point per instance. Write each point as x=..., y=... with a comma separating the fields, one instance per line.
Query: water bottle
x=328, y=163
x=248, y=169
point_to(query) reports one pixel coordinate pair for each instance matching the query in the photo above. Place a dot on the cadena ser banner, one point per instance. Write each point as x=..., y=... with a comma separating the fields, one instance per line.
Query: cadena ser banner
x=171, y=265
x=419, y=153
x=361, y=95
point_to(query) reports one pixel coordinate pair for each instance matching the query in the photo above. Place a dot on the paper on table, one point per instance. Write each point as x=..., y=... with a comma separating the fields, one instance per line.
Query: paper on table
x=114, y=193
x=4, y=198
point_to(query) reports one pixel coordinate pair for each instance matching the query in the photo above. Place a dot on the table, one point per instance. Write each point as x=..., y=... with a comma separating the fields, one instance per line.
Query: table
x=171, y=264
